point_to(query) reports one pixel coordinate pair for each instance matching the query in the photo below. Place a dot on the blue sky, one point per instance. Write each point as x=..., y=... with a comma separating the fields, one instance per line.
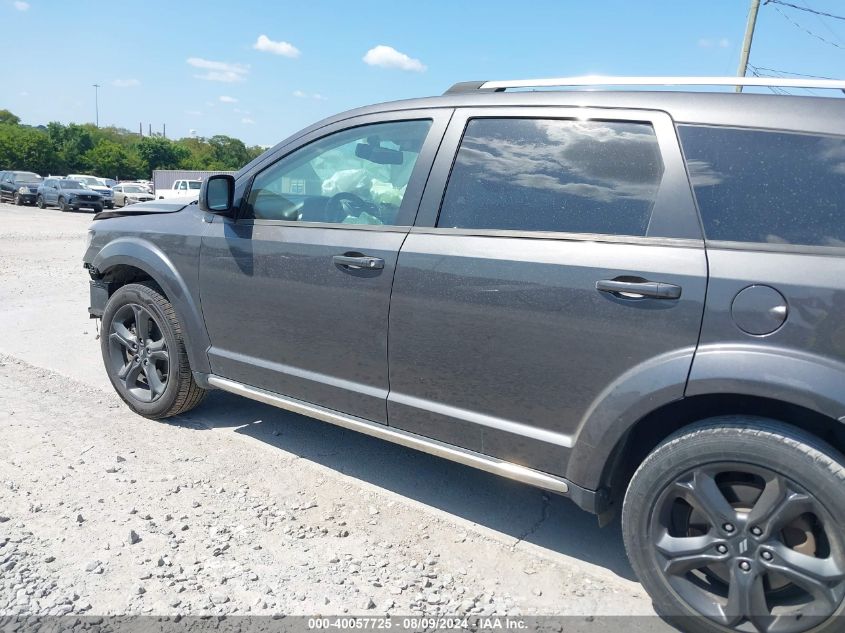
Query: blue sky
x=204, y=66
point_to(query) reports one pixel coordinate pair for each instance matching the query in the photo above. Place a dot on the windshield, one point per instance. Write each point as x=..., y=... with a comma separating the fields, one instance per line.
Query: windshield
x=195, y=184
x=71, y=184
x=27, y=176
x=132, y=189
x=89, y=180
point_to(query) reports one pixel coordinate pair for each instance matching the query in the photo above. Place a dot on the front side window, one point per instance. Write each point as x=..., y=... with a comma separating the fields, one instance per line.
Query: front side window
x=554, y=175
x=183, y=186
x=357, y=176
x=767, y=187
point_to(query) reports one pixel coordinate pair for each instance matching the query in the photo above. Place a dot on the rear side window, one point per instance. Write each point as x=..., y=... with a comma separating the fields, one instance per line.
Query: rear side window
x=554, y=175
x=769, y=187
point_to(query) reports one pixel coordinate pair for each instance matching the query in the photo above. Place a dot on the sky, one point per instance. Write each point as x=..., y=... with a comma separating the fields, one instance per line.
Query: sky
x=261, y=70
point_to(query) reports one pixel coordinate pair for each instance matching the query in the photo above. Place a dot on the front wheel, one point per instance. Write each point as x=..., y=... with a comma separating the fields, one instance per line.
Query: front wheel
x=736, y=524
x=144, y=353
x=18, y=200
x=63, y=206
x=40, y=202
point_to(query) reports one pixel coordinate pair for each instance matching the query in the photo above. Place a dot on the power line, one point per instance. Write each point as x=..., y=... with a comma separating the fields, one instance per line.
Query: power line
x=787, y=72
x=806, y=30
x=807, y=9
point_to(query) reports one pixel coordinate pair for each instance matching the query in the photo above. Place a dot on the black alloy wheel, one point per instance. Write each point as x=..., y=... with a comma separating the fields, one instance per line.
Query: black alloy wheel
x=138, y=352
x=739, y=528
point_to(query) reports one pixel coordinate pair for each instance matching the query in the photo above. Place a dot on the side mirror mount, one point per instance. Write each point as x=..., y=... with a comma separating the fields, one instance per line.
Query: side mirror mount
x=217, y=194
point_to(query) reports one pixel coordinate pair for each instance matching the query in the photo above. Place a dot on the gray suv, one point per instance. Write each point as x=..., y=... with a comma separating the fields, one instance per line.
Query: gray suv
x=635, y=299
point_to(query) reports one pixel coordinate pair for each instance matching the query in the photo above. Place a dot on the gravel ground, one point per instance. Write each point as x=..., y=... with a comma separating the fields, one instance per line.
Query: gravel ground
x=240, y=508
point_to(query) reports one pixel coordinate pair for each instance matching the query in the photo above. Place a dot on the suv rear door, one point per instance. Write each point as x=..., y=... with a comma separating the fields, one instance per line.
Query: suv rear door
x=295, y=291
x=556, y=258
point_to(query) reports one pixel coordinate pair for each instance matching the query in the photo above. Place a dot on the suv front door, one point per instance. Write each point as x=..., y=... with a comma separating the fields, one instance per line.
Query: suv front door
x=295, y=290
x=556, y=261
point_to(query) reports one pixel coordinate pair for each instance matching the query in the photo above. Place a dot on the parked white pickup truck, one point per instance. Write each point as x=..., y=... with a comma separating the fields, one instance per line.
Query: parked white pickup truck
x=180, y=189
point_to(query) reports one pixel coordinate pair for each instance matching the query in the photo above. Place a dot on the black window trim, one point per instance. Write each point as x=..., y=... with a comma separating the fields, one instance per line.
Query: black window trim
x=439, y=118
x=674, y=213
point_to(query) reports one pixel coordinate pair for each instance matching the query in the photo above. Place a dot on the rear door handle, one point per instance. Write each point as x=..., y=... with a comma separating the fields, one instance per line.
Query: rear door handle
x=639, y=289
x=358, y=262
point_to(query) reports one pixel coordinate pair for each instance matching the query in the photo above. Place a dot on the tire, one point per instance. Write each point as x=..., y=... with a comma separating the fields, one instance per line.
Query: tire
x=40, y=202
x=18, y=200
x=97, y=209
x=173, y=390
x=63, y=206
x=703, y=494
x=110, y=205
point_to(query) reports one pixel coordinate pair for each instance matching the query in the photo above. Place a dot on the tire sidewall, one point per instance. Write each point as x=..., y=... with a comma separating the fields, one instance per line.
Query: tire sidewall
x=137, y=294
x=727, y=444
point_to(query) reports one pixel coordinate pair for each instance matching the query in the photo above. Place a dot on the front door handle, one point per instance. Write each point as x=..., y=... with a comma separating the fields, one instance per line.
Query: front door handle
x=639, y=289
x=359, y=262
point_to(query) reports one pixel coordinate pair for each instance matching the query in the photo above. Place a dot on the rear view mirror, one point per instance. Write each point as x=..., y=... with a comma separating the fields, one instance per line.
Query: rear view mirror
x=217, y=194
x=379, y=155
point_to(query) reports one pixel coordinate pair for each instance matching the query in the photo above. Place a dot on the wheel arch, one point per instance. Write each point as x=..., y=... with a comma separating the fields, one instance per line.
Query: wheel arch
x=641, y=410
x=130, y=259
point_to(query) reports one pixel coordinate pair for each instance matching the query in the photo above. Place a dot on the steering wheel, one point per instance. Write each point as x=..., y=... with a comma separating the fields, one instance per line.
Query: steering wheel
x=344, y=203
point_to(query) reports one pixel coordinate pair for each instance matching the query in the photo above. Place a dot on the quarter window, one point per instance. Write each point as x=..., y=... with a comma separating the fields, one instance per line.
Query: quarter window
x=769, y=187
x=554, y=175
x=357, y=176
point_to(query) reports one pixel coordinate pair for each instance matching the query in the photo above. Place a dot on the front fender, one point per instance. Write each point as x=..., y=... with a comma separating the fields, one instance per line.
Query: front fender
x=146, y=256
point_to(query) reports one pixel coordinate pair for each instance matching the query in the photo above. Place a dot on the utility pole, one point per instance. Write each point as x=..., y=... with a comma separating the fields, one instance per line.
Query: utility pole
x=746, y=42
x=97, y=105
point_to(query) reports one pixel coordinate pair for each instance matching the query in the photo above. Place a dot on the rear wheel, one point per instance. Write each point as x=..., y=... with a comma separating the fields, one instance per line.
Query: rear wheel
x=736, y=524
x=144, y=353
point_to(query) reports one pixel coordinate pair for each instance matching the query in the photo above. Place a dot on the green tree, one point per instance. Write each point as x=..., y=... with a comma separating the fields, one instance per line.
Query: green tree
x=229, y=153
x=8, y=117
x=108, y=159
x=26, y=149
x=160, y=153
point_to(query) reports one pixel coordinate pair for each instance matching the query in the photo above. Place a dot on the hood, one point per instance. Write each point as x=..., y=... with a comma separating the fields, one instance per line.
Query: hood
x=80, y=192
x=100, y=189
x=29, y=185
x=143, y=208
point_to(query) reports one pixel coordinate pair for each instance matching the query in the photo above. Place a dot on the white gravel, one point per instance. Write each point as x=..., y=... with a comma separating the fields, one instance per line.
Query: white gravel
x=239, y=507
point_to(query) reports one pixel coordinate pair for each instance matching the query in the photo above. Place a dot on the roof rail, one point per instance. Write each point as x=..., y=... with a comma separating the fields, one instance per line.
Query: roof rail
x=600, y=80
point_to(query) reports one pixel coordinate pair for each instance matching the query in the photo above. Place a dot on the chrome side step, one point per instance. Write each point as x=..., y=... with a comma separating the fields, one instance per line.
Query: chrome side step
x=397, y=436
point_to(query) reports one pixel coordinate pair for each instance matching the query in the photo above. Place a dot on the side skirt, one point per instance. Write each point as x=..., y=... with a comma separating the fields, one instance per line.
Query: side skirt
x=397, y=436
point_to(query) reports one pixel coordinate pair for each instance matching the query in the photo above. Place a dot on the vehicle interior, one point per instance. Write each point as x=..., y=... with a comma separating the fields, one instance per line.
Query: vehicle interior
x=354, y=177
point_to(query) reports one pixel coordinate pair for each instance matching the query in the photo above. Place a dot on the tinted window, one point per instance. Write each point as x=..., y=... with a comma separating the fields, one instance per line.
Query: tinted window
x=357, y=176
x=554, y=175
x=771, y=187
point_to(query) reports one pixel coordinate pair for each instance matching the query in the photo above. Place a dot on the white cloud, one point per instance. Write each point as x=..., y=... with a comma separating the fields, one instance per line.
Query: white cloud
x=299, y=94
x=265, y=44
x=389, y=57
x=226, y=99
x=21, y=6
x=247, y=121
x=125, y=83
x=706, y=42
x=219, y=71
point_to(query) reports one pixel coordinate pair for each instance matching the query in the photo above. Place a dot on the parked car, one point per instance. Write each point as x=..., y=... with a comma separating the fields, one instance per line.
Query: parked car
x=634, y=299
x=19, y=187
x=68, y=195
x=129, y=193
x=187, y=189
x=98, y=185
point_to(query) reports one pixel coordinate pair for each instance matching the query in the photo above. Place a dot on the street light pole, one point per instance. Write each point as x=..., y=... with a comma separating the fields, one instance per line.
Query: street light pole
x=97, y=104
x=746, y=42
